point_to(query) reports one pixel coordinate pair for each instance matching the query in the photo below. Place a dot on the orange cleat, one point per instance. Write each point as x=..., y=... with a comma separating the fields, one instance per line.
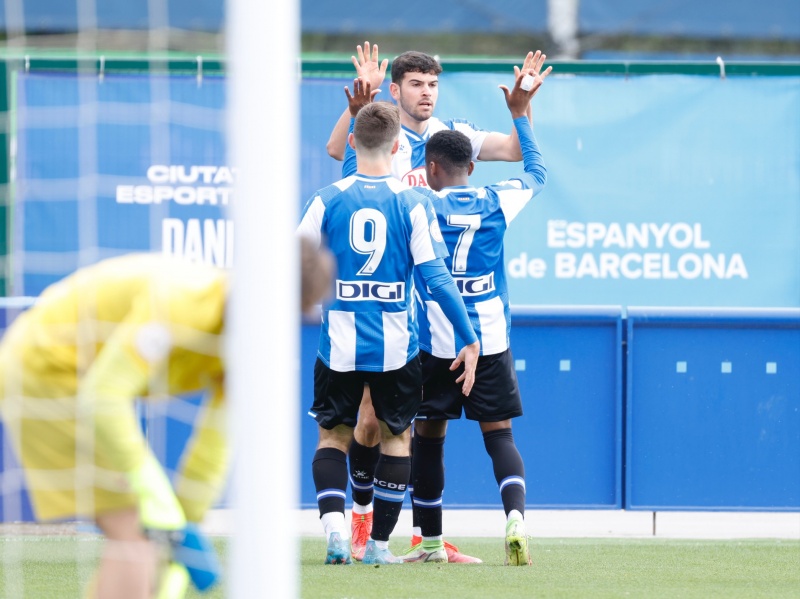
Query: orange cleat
x=360, y=529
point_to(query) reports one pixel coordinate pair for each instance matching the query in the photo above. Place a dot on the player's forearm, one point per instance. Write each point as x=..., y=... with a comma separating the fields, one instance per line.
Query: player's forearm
x=338, y=139
x=199, y=483
x=513, y=146
x=501, y=147
x=350, y=164
x=109, y=390
x=203, y=470
x=531, y=156
x=198, y=495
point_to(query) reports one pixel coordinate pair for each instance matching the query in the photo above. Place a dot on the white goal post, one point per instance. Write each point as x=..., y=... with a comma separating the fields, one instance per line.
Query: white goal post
x=263, y=366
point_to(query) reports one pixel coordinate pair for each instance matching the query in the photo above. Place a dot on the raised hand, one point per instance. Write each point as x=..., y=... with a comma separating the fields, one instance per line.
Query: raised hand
x=361, y=96
x=368, y=67
x=519, y=98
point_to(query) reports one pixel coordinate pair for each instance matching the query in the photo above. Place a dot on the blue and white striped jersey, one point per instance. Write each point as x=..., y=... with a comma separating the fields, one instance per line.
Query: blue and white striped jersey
x=408, y=164
x=473, y=223
x=377, y=229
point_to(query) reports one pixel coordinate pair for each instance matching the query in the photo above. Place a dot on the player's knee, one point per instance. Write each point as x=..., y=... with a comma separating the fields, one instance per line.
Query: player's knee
x=368, y=430
x=495, y=426
x=431, y=429
x=395, y=445
x=339, y=437
x=121, y=525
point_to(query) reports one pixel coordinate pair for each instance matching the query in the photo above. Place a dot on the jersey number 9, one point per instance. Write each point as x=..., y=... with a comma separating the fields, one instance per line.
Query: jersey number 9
x=368, y=236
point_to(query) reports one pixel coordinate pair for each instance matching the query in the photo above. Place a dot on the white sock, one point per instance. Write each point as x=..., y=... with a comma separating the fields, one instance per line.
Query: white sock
x=361, y=509
x=334, y=522
x=382, y=544
x=515, y=515
x=416, y=531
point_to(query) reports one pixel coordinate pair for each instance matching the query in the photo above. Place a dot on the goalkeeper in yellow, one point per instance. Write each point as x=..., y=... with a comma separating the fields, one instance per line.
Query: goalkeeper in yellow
x=71, y=368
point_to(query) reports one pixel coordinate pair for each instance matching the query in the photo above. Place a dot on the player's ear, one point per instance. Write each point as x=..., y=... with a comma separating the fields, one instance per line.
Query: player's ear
x=395, y=146
x=471, y=167
x=394, y=90
x=351, y=140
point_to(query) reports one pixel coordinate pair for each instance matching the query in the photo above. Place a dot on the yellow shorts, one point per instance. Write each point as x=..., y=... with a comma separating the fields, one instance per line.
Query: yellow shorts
x=54, y=441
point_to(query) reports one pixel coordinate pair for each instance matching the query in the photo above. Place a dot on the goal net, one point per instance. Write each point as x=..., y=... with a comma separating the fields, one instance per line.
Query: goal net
x=145, y=129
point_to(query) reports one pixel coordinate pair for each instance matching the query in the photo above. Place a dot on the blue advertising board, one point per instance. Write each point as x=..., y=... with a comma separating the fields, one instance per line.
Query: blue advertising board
x=569, y=367
x=658, y=195
x=568, y=362
x=658, y=192
x=119, y=164
x=653, y=198
x=713, y=409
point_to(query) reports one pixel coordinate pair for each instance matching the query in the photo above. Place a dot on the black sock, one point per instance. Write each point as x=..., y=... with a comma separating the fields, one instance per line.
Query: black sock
x=329, y=468
x=427, y=465
x=509, y=471
x=391, y=482
x=363, y=461
x=414, y=510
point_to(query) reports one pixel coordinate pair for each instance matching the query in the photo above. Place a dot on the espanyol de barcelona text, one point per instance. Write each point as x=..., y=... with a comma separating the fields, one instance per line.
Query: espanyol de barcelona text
x=685, y=253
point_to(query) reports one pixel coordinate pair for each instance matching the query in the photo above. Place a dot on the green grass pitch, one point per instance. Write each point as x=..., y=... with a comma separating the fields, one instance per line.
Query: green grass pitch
x=44, y=567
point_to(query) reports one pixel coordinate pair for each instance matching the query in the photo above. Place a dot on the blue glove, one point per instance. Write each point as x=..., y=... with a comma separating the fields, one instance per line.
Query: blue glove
x=195, y=551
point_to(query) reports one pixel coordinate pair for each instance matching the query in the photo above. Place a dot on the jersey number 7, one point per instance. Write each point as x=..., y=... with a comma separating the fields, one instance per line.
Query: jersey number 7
x=470, y=223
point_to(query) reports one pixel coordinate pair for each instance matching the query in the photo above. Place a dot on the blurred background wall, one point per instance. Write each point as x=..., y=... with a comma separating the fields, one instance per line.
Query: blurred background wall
x=585, y=29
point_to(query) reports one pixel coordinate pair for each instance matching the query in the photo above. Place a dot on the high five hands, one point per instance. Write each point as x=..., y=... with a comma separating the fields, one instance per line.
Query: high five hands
x=368, y=66
x=518, y=98
x=361, y=96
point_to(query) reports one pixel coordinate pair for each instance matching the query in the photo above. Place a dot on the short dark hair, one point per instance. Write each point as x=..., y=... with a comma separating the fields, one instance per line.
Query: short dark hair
x=377, y=126
x=450, y=149
x=414, y=62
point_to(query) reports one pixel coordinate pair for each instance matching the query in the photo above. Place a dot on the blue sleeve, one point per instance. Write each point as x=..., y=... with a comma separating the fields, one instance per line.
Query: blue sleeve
x=444, y=291
x=349, y=166
x=531, y=156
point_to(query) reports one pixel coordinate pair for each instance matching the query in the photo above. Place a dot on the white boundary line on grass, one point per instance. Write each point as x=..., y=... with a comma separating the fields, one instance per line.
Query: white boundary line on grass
x=581, y=523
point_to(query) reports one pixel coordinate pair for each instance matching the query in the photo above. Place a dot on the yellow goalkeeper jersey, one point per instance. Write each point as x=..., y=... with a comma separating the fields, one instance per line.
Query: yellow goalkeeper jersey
x=71, y=367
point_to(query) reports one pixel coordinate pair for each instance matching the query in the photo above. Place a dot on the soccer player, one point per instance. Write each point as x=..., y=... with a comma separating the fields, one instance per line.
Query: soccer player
x=378, y=230
x=415, y=89
x=71, y=368
x=473, y=223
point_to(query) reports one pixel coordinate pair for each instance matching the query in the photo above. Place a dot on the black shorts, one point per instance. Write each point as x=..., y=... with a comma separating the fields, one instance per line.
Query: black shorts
x=494, y=397
x=396, y=395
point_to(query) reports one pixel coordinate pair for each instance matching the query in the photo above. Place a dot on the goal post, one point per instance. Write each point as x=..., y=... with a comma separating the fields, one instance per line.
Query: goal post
x=263, y=367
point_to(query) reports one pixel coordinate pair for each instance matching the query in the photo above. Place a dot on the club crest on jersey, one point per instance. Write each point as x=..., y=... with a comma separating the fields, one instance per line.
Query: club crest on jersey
x=362, y=291
x=475, y=285
x=436, y=232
